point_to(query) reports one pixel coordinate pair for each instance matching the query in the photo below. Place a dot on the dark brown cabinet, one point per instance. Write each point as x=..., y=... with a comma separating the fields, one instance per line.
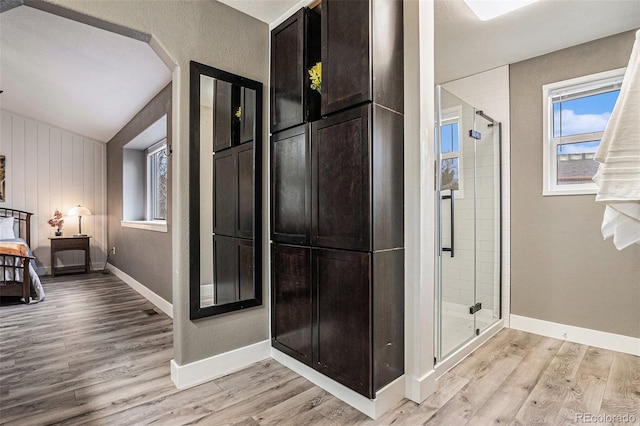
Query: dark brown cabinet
x=234, y=115
x=246, y=115
x=337, y=188
x=291, y=186
x=362, y=54
x=225, y=193
x=359, y=317
x=291, y=300
x=234, y=270
x=222, y=121
x=342, y=323
x=340, y=180
x=295, y=47
x=244, y=176
x=233, y=208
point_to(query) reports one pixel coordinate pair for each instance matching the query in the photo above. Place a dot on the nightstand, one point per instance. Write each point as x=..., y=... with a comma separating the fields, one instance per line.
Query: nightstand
x=59, y=244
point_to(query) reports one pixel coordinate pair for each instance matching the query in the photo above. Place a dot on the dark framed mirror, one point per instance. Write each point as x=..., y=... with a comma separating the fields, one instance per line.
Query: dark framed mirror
x=225, y=198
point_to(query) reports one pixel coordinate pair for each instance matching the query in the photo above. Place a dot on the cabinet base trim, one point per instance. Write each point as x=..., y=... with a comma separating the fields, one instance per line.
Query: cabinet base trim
x=204, y=370
x=585, y=336
x=386, y=398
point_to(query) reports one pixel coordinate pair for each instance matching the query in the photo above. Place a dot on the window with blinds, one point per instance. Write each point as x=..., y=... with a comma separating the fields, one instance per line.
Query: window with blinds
x=576, y=113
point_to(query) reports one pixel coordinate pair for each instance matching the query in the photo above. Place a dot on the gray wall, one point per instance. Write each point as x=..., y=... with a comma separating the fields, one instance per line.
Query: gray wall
x=562, y=270
x=214, y=34
x=144, y=255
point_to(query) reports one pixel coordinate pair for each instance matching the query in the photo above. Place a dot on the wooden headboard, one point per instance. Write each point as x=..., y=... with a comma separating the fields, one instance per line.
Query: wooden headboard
x=22, y=222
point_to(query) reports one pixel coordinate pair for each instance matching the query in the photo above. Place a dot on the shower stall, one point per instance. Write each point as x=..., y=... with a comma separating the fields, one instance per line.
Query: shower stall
x=468, y=182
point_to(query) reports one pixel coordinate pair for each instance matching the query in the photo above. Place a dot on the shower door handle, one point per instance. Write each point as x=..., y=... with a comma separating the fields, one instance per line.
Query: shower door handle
x=450, y=197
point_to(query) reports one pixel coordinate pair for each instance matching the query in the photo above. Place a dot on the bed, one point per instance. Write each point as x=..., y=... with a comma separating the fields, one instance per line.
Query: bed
x=18, y=276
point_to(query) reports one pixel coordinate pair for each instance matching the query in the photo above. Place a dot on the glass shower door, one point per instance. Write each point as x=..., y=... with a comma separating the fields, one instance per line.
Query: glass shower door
x=468, y=290
x=488, y=229
x=456, y=224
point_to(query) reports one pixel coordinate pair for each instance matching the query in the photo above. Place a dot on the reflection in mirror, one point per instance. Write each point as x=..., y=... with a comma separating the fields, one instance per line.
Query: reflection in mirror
x=225, y=153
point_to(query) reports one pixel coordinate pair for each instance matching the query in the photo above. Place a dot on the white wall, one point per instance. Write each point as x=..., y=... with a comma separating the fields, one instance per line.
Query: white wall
x=489, y=91
x=49, y=168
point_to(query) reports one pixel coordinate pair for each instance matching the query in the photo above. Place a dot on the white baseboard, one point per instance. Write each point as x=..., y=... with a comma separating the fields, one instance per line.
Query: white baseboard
x=585, y=336
x=418, y=389
x=161, y=303
x=386, y=397
x=204, y=370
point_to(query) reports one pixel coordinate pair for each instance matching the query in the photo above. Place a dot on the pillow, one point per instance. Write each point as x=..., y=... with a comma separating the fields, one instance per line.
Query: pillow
x=6, y=228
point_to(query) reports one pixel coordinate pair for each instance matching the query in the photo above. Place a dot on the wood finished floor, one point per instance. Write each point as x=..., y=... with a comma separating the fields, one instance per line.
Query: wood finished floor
x=90, y=355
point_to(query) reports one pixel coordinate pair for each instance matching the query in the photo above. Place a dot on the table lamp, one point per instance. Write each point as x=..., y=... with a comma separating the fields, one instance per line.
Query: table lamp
x=79, y=211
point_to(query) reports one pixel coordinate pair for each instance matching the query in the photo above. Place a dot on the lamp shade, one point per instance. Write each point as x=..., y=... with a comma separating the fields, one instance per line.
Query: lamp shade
x=79, y=211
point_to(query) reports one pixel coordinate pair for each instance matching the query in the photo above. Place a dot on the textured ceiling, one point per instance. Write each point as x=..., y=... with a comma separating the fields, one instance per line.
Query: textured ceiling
x=74, y=76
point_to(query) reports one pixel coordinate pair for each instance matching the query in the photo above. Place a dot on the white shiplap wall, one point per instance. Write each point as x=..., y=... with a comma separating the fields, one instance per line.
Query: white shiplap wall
x=489, y=91
x=49, y=168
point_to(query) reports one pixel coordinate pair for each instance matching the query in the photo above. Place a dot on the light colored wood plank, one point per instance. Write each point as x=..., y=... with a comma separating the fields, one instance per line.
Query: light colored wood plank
x=409, y=412
x=484, y=355
x=491, y=370
x=545, y=400
x=587, y=393
x=294, y=407
x=622, y=393
x=504, y=404
x=89, y=356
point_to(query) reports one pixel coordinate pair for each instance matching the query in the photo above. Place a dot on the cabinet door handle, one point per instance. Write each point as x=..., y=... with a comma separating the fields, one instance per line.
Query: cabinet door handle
x=450, y=197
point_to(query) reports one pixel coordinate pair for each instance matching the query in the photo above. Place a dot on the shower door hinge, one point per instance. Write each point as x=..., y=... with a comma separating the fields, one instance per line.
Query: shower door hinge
x=475, y=308
x=475, y=134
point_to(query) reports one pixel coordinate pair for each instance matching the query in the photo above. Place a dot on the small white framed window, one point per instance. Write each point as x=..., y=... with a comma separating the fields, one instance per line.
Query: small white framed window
x=145, y=202
x=451, y=167
x=575, y=115
x=157, y=181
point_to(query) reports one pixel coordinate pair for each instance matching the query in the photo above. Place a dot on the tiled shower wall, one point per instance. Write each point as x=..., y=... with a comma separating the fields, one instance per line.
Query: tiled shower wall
x=488, y=91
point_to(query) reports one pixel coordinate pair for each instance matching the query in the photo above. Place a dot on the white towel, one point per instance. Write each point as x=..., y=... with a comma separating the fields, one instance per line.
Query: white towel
x=618, y=175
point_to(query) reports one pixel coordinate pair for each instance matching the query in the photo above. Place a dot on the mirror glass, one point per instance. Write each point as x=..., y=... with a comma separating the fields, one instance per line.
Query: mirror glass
x=224, y=172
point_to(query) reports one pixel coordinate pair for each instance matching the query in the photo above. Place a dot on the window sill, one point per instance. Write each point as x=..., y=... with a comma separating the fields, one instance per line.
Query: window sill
x=148, y=225
x=556, y=192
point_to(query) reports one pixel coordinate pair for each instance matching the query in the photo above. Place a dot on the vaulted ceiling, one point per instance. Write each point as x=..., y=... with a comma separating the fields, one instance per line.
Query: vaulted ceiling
x=74, y=76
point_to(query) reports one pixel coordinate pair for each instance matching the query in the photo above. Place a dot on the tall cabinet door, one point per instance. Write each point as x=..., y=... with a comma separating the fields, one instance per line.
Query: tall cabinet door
x=291, y=307
x=342, y=321
x=225, y=187
x=245, y=172
x=222, y=123
x=346, y=56
x=246, y=114
x=233, y=269
x=291, y=186
x=341, y=196
x=295, y=47
x=246, y=269
x=225, y=269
